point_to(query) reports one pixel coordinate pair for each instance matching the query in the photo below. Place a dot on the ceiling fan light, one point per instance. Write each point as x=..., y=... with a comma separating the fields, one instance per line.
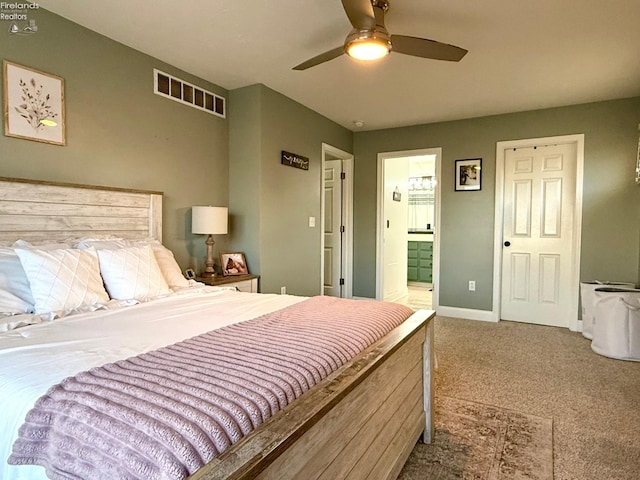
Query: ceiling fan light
x=368, y=49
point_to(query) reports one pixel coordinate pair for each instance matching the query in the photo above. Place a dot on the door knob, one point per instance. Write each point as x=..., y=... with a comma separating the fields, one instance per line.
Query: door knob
x=507, y=243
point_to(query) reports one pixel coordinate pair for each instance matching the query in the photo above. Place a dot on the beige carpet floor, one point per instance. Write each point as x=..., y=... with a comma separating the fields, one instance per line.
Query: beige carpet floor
x=482, y=442
x=549, y=372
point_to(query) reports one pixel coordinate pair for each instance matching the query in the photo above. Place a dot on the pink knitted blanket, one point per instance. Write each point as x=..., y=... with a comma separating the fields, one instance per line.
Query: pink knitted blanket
x=164, y=414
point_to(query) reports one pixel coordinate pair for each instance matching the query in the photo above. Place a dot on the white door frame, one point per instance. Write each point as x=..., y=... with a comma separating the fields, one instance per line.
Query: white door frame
x=380, y=223
x=578, y=139
x=347, y=217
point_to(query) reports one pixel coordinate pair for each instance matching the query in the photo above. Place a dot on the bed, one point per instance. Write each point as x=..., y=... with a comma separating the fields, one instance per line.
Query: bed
x=360, y=421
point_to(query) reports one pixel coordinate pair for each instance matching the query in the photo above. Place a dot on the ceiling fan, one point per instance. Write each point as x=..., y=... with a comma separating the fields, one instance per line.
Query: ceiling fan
x=370, y=40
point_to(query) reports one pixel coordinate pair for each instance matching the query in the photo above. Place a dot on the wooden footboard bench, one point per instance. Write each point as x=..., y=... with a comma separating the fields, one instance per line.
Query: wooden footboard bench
x=360, y=423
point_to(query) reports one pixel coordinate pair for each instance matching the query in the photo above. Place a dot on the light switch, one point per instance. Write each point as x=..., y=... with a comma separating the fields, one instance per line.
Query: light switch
x=312, y=221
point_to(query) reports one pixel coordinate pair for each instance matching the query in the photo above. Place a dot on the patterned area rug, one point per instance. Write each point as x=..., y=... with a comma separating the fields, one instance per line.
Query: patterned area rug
x=474, y=441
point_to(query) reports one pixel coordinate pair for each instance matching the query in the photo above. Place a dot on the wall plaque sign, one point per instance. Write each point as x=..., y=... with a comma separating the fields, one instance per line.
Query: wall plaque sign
x=294, y=160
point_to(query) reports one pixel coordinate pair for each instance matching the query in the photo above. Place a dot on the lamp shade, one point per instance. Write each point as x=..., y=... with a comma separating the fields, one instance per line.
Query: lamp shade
x=209, y=220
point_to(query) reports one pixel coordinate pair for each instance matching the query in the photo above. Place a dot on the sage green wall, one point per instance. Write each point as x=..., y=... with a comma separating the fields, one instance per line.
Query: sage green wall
x=611, y=202
x=289, y=250
x=245, y=153
x=119, y=133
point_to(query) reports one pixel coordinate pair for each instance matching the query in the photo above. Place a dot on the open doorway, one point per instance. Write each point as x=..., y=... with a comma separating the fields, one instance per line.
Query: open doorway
x=336, y=250
x=407, y=227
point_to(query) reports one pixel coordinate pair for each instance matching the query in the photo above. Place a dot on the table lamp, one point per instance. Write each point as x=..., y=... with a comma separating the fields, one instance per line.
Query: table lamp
x=209, y=221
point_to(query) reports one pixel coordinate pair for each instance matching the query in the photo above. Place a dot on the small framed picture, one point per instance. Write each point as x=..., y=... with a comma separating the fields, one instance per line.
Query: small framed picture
x=33, y=104
x=468, y=174
x=190, y=273
x=233, y=263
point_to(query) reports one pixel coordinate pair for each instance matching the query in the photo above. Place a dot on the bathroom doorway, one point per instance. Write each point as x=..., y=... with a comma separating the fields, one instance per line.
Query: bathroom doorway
x=407, y=227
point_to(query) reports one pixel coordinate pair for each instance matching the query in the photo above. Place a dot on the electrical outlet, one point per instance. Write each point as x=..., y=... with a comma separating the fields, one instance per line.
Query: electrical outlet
x=283, y=290
x=472, y=285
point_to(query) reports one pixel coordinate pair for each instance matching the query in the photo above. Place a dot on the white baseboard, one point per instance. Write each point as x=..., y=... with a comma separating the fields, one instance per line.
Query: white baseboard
x=471, y=314
x=466, y=313
x=485, y=316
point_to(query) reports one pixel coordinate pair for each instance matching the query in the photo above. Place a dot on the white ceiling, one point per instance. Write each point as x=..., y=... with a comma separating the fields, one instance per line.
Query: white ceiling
x=523, y=54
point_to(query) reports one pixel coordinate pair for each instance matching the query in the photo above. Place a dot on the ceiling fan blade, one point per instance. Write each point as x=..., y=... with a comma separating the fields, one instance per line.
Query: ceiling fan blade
x=425, y=48
x=323, y=57
x=360, y=13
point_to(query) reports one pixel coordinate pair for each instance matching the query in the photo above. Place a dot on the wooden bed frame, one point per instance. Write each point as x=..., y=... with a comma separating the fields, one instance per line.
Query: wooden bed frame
x=360, y=423
x=39, y=211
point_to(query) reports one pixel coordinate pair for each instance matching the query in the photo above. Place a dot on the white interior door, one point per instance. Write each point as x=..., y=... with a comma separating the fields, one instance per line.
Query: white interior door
x=333, y=244
x=395, y=211
x=538, y=234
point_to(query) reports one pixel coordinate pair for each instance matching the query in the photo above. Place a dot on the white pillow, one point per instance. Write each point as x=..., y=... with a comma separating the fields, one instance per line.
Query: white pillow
x=15, y=293
x=63, y=279
x=132, y=272
x=166, y=261
x=101, y=243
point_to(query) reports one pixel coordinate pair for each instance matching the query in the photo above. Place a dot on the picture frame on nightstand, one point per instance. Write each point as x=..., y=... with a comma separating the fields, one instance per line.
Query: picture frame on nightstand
x=233, y=263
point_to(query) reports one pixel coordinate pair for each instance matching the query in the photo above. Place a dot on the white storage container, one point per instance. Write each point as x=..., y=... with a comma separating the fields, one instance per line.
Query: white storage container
x=587, y=300
x=616, y=329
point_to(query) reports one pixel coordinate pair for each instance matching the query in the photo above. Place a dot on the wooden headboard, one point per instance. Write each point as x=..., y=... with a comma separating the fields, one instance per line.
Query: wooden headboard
x=39, y=211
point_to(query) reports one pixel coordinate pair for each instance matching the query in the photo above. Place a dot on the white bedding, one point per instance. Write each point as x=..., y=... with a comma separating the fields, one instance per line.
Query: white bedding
x=36, y=357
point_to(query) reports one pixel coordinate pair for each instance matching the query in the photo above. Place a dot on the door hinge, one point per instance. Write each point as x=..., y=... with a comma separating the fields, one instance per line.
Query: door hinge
x=341, y=228
x=343, y=175
x=342, y=281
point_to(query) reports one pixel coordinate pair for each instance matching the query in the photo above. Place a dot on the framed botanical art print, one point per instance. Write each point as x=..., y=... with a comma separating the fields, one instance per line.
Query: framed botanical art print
x=468, y=174
x=33, y=104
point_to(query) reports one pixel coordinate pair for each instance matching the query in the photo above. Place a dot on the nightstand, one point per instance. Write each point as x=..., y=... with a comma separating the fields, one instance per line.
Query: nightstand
x=244, y=283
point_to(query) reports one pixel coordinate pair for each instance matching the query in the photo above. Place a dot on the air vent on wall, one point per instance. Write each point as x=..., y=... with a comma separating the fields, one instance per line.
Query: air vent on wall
x=183, y=92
